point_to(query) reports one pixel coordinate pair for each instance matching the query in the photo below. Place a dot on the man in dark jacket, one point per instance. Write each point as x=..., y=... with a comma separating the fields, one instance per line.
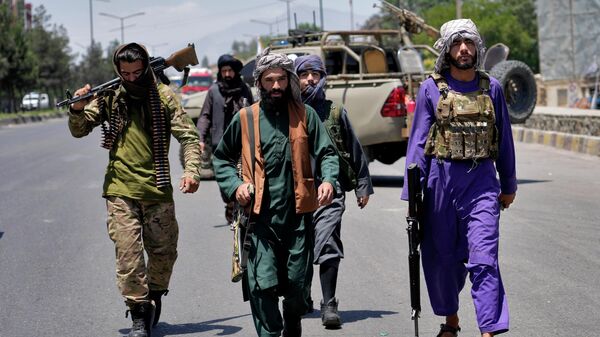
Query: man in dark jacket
x=225, y=97
x=354, y=175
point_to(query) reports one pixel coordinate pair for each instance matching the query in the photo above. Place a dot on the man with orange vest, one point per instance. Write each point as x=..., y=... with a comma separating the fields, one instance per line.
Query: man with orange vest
x=287, y=135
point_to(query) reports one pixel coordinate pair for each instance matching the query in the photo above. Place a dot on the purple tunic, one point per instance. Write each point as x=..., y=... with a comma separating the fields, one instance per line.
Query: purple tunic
x=462, y=212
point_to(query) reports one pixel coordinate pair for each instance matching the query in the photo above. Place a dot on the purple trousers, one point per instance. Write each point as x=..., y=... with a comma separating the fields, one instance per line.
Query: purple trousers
x=461, y=237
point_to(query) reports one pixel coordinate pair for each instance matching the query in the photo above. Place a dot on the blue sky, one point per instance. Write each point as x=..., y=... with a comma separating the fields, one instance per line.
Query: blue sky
x=167, y=26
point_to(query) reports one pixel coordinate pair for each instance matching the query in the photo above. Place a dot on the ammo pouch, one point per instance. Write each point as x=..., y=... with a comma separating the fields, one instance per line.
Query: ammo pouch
x=465, y=126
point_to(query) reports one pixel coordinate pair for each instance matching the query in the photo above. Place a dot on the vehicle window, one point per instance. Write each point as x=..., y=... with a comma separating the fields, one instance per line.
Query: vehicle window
x=392, y=60
x=247, y=71
x=333, y=63
x=200, y=81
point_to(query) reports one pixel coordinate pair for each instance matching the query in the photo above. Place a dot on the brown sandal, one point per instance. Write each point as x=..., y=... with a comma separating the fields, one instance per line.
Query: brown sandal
x=448, y=328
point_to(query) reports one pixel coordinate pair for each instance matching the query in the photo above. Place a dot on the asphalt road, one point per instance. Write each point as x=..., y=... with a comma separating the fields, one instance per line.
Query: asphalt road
x=57, y=262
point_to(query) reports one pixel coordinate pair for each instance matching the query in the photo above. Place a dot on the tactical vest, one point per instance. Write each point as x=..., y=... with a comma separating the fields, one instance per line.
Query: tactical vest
x=465, y=126
x=305, y=191
x=334, y=129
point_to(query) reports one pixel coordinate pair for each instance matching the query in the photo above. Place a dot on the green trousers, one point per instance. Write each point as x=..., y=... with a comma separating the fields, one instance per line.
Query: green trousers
x=279, y=265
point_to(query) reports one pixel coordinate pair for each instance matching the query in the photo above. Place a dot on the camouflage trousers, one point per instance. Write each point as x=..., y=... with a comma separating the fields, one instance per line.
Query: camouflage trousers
x=136, y=226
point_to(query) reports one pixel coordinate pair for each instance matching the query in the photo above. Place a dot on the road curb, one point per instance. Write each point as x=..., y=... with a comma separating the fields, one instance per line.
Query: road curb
x=34, y=118
x=560, y=140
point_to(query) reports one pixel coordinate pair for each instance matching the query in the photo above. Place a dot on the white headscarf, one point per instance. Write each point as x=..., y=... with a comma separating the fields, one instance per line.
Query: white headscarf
x=267, y=60
x=452, y=31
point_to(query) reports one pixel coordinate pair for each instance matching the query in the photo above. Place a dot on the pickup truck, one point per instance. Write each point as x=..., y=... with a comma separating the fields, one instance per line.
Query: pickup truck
x=363, y=76
x=378, y=85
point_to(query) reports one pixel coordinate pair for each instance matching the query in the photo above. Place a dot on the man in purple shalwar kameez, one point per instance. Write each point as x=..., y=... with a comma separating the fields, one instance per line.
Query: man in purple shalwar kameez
x=459, y=139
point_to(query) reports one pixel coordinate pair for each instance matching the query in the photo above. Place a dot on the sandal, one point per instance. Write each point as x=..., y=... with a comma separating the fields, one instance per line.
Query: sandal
x=448, y=328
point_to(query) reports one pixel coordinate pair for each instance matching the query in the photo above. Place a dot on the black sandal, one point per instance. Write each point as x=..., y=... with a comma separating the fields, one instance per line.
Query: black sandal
x=448, y=328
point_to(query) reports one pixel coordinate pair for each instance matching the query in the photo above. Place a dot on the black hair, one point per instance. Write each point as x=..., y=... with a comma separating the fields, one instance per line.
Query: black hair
x=131, y=54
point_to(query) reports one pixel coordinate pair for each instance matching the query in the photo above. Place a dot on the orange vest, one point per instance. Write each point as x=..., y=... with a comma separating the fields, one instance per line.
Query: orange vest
x=305, y=192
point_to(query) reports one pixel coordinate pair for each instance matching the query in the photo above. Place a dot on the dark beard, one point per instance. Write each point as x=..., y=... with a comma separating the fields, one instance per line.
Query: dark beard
x=462, y=66
x=274, y=103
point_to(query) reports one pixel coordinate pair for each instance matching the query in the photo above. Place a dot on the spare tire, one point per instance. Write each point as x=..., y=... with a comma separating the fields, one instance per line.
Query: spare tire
x=519, y=88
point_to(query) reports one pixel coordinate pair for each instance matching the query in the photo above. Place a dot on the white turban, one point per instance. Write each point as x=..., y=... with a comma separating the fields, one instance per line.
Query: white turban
x=267, y=60
x=452, y=31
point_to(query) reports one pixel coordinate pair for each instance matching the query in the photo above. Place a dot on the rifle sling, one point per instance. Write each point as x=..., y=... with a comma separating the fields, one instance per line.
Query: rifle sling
x=246, y=244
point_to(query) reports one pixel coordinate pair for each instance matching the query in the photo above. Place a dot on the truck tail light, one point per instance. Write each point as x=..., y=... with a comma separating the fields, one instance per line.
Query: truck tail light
x=395, y=105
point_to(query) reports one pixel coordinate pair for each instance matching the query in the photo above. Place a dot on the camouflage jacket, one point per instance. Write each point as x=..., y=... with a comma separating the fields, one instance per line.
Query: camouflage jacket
x=180, y=125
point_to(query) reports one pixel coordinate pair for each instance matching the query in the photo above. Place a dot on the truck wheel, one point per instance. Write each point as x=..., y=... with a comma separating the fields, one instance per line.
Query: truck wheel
x=519, y=88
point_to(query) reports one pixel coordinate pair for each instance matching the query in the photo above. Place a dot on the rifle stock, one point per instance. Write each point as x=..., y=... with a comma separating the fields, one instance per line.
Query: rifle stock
x=180, y=60
x=415, y=205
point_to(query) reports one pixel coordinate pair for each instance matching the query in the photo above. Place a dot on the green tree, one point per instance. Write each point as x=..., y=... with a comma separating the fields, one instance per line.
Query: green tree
x=50, y=46
x=205, y=63
x=512, y=22
x=18, y=68
x=309, y=27
x=245, y=50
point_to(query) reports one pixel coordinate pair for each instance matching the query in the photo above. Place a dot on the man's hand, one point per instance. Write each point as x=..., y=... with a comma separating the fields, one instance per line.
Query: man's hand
x=242, y=194
x=362, y=201
x=78, y=106
x=506, y=199
x=188, y=185
x=325, y=194
x=201, y=147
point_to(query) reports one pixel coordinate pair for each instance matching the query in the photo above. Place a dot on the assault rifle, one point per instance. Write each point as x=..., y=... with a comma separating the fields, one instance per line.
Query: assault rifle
x=180, y=60
x=409, y=20
x=415, y=209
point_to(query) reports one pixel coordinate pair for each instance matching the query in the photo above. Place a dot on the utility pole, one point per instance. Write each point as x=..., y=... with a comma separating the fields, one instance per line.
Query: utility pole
x=122, y=18
x=92, y=22
x=91, y=25
x=270, y=24
x=289, y=20
x=459, y=9
x=351, y=16
x=321, y=13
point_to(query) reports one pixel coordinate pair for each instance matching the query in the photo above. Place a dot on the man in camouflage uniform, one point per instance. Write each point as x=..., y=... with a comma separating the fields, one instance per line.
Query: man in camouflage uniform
x=137, y=121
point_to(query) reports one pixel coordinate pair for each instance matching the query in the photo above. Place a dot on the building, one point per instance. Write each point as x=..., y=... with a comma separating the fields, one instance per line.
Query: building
x=20, y=9
x=569, y=52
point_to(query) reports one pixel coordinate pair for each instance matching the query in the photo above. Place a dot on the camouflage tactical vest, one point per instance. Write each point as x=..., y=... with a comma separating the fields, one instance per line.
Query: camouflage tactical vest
x=334, y=129
x=465, y=126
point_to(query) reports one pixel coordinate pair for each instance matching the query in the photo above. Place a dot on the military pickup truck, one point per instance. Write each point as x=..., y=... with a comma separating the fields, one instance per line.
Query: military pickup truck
x=363, y=76
x=377, y=84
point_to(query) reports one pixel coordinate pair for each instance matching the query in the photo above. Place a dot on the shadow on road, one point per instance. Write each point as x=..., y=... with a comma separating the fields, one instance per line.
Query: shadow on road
x=349, y=316
x=530, y=181
x=164, y=329
x=1, y=234
x=398, y=181
x=387, y=181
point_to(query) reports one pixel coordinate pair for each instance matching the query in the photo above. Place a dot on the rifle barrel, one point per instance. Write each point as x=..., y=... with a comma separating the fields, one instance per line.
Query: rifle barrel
x=104, y=86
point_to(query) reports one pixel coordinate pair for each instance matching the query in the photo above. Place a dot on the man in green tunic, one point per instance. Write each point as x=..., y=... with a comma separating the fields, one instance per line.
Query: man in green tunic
x=287, y=134
x=137, y=121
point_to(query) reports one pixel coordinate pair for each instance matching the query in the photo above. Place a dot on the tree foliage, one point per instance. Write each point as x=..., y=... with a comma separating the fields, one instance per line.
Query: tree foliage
x=243, y=50
x=512, y=22
x=18, y=67
x=205, y=63
x=50, y=45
